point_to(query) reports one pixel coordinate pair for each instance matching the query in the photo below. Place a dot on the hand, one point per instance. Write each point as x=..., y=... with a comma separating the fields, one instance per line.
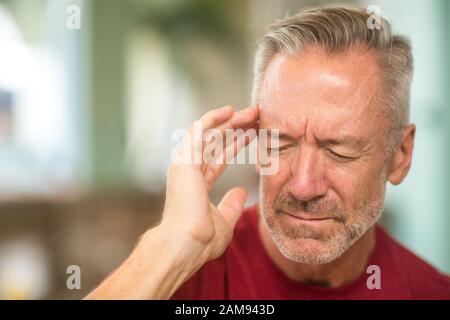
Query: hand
x=189, y=214
x=192, y=230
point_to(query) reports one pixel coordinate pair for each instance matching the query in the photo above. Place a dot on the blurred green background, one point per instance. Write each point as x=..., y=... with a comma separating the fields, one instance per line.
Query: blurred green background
x=86, y=117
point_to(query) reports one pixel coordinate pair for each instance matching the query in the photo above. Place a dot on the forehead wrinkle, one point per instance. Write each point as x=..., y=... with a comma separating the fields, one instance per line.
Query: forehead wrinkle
x=345, y=140
x=274, y=85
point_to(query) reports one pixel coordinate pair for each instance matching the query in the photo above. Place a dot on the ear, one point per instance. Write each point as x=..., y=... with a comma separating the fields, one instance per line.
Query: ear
x=401, y=161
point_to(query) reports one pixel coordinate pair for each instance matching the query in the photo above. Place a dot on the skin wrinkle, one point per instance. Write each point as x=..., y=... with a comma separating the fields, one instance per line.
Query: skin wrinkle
x=314, y=97
x=275, y=71
x=297, y=90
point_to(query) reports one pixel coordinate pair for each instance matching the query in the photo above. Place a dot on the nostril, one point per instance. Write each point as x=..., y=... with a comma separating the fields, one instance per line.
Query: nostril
x=307, y=179
x=307, y=186
x=303, y=191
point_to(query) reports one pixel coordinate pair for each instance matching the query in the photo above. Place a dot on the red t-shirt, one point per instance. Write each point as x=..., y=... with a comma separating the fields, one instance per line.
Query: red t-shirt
x=245, y=271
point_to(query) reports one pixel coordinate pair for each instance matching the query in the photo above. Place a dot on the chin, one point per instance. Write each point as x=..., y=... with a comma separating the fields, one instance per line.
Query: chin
x=309, y=251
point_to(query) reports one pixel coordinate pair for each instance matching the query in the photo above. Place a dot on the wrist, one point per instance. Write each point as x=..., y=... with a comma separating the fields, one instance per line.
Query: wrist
x=156, y=268
x=172, y=258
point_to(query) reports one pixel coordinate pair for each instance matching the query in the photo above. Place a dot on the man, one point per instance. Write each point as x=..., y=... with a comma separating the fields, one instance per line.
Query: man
x=338, y=92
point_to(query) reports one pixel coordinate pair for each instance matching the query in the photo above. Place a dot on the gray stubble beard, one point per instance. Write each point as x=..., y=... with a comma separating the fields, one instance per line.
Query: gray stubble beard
x=334, y=245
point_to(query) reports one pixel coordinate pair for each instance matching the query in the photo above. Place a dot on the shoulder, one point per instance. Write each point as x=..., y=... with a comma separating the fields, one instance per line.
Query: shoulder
x=424, y=280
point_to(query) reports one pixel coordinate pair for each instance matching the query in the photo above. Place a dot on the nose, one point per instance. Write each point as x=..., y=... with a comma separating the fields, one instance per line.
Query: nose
x=307, y=179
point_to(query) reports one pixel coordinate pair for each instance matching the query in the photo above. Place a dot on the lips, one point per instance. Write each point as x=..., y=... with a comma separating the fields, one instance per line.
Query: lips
x=307, y=217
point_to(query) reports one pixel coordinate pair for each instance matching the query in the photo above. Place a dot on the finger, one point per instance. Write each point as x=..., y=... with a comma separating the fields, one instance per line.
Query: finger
x=232, y=205
x=235, y=142
x=215, y=168
x=238, y=139
x=219, y=137
x=227, y=133
x=220, y=119
x=191, y=148
x=216, y=117
x=240, y=119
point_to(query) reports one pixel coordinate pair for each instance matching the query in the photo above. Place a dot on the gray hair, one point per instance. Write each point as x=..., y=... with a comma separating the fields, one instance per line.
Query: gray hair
x=337, y=29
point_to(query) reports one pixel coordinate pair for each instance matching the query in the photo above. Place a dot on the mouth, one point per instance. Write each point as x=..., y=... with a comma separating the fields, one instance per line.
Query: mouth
x=307, y=218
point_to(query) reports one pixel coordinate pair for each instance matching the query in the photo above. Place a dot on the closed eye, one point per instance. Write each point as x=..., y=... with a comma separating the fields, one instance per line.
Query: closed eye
x=338, y=156
x=280, y=148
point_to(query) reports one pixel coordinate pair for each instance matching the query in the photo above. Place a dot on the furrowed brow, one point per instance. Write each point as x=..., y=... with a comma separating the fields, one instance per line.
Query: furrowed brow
x=285, y=136
x=281, y=135
x=345, y=141
x=349, y=141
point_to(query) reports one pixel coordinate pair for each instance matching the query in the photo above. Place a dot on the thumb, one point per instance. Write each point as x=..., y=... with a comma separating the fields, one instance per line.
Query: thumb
x=232, y=205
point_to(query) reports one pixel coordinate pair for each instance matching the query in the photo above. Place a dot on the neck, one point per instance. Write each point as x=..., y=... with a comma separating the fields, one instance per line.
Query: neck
x=344, y=269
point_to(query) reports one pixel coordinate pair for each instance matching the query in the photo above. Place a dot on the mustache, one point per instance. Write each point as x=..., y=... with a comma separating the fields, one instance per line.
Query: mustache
x=320, y=206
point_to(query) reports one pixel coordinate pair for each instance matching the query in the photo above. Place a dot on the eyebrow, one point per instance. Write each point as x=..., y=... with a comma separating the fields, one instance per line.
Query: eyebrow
x=344, y=141
x=285, y=136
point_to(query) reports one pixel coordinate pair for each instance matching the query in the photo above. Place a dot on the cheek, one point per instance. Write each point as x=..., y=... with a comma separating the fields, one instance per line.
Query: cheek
x=356, y=183
x=344, y=180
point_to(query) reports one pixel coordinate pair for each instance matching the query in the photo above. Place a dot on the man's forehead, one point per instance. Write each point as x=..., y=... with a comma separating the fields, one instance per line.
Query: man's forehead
x=317, y=89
